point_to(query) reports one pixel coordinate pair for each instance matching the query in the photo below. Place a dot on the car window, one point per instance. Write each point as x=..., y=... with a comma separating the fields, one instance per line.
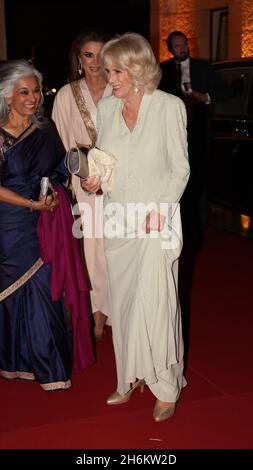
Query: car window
x=238, y=83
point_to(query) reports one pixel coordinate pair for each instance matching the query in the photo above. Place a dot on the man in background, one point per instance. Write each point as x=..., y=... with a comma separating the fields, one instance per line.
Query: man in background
x=195, y=82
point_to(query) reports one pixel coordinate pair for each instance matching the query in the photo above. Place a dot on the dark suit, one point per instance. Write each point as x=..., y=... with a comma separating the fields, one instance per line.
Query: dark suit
x=194, y=200
x=203, y=80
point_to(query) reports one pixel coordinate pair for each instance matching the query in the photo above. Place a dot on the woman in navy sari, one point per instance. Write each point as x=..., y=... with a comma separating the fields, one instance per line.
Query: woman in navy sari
x=33, y=333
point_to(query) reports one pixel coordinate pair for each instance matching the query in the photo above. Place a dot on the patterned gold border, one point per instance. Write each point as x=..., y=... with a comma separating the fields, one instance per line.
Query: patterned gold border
x=24, y=134
x=63, y=385
x=56, y=385
x=85, y=114
x=17, y=375
x=21, y=281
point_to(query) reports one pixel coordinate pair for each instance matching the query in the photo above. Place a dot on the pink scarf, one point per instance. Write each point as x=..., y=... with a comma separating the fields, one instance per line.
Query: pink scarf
x=60, y=249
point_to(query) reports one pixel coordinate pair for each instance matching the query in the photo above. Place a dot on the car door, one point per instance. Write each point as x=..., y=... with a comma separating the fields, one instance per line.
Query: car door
x=230, y=167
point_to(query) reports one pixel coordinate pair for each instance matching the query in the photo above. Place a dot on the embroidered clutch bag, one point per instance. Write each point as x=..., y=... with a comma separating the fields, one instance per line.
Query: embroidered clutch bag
x=84, y=162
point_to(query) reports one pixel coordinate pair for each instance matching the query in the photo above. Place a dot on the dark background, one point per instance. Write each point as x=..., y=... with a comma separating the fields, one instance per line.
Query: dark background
x=43, y=30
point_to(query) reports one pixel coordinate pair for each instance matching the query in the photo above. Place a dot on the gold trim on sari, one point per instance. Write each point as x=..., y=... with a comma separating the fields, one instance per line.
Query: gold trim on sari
x=56, y=385
x=17, y=375
x=62, y=385
x=22, y=280
x=22, y=136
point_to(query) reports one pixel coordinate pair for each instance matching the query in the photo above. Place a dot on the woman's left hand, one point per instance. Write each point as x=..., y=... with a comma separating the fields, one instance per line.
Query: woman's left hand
x=154, y=221
x=92, y=184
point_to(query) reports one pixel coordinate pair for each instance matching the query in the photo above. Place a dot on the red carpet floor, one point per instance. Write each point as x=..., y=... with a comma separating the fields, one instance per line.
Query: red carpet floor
x=216, y=408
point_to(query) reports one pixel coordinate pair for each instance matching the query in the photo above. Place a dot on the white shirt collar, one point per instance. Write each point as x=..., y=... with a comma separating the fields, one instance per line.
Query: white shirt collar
x=185, y=63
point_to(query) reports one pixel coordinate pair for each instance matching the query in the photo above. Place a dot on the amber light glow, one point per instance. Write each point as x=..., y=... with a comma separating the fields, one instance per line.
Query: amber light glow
x=178, y=15
x=245, y=221
x=186, y=16
x=247, y=28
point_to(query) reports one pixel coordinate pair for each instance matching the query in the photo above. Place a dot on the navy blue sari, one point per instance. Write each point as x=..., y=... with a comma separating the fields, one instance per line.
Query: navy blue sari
x=33, y=332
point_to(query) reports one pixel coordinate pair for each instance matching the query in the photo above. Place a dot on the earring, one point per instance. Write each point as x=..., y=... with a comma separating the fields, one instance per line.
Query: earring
x=136, y=89
x=80, y=68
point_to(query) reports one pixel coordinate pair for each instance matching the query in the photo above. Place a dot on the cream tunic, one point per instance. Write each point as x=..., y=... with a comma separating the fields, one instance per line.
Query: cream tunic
x=152, y=166
x=72, y=130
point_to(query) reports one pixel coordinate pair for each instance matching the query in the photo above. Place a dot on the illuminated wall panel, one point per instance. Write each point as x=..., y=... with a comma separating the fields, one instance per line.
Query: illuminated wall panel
x=193, y=18
x=247, y=28
x=180, y=15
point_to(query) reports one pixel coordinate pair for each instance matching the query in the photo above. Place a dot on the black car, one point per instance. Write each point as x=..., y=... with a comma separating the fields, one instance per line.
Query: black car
x=230, y=170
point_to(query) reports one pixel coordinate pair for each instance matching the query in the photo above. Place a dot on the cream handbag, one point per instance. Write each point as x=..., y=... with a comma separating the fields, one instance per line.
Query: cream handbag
x=102, y=165
x=83, y=162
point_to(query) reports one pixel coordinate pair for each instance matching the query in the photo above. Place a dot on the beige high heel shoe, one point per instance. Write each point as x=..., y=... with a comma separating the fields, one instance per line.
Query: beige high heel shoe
x=162, y=413
x=116, y=399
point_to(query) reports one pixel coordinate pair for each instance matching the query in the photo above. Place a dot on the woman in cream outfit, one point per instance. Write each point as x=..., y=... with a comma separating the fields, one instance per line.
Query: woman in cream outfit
x=85, y=66
x=145, y=129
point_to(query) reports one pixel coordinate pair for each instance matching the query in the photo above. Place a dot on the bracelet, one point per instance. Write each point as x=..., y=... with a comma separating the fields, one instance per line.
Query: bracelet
x=31, y=205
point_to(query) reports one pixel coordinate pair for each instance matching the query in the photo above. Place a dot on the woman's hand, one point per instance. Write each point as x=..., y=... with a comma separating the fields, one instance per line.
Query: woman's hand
x=154, y=221
x=45, y=203
x=92, y=184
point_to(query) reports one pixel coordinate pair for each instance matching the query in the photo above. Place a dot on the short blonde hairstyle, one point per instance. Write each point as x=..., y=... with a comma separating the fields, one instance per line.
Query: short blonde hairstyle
x=133, y=53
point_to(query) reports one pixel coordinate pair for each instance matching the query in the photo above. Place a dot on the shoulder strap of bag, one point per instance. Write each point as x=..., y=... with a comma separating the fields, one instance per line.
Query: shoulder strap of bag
x=85, y=114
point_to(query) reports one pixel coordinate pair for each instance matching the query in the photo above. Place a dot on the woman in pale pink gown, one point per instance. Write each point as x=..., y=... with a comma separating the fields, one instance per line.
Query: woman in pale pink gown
x=79, y=127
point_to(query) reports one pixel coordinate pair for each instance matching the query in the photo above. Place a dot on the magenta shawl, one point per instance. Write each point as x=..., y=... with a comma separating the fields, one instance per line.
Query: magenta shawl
x=60, y=249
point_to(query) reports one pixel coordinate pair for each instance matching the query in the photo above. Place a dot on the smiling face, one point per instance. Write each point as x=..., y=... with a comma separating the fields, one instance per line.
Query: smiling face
x=89, y=56
x=121, y=82
x=26, y=96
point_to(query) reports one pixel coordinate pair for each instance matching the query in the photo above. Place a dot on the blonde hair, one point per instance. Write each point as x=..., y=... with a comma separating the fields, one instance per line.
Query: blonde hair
x=133, y=53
